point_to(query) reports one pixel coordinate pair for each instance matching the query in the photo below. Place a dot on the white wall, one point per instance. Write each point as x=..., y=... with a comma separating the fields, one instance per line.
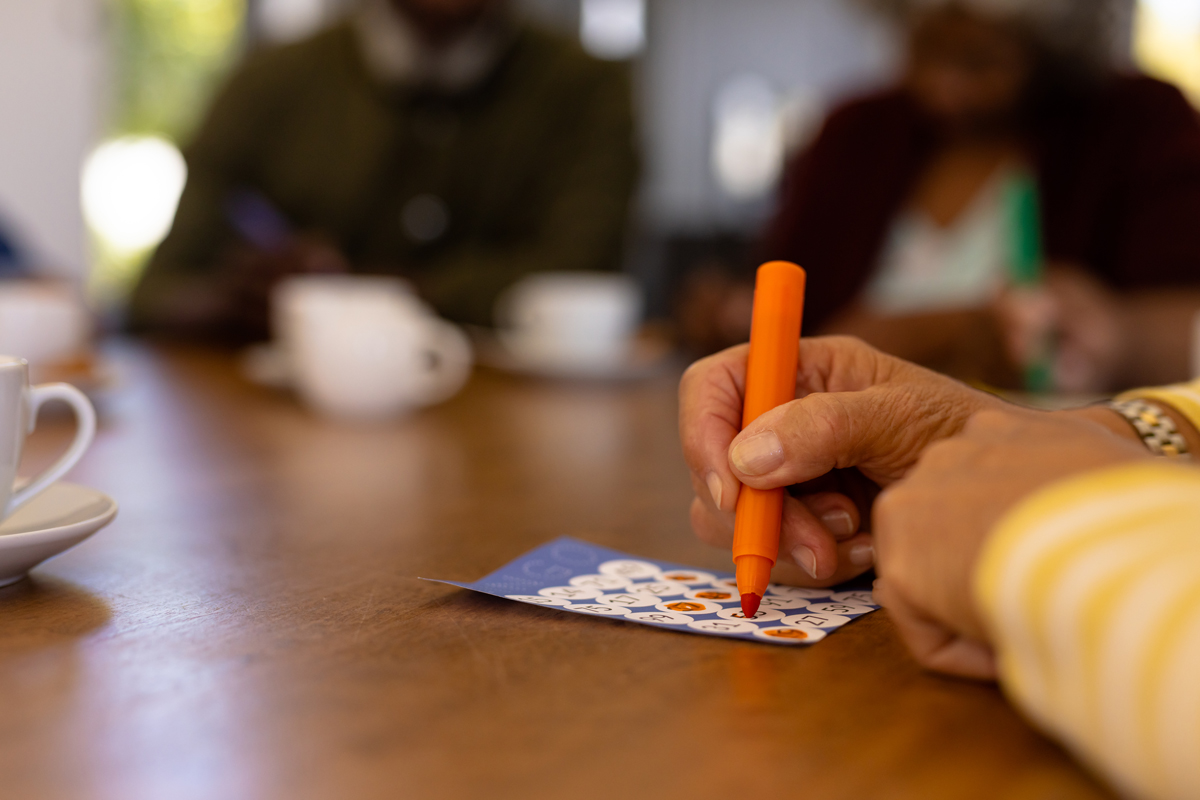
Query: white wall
x=828, y=46
x=51, y=80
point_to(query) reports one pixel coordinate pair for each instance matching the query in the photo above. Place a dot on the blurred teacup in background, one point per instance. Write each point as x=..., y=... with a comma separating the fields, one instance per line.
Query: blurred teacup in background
x=45, y=323
x=570, y=319
x=365, y=347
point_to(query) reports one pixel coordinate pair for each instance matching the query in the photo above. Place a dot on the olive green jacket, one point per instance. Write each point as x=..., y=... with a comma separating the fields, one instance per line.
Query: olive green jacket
x=531, y=169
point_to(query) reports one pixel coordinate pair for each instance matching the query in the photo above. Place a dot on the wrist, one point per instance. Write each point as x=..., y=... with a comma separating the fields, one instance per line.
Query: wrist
x=1106, y=418
x=1116, y=423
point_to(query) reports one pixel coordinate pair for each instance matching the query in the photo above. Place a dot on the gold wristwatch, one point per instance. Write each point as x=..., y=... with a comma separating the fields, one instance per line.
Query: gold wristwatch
x=1153, y=425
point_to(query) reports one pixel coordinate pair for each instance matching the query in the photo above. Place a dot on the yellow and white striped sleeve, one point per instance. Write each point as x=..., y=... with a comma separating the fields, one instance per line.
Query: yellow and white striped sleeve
x=1091, y=589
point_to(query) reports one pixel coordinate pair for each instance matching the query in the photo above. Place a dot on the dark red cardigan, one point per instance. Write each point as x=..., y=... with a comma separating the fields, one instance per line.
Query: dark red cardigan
x=1118, y=168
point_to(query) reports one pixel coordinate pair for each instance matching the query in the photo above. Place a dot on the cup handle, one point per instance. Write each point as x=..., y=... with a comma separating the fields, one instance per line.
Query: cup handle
x=85, y=417
x=450, y=364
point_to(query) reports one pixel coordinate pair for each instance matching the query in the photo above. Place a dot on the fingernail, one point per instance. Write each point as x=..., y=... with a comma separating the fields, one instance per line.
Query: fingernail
x=806, y=558
x=862, y=555
x=759, y=454
x=715, y=488
x=839, y=523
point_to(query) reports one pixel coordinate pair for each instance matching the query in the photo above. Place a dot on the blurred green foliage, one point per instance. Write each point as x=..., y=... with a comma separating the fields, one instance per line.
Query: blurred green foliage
x=169, y=56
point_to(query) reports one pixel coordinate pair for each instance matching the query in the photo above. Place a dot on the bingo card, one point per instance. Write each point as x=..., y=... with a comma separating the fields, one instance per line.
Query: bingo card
x=582, y=578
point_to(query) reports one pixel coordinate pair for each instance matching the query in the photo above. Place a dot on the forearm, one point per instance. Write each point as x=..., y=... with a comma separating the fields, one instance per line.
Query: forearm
x=582, y=228
x=225, y=301
x=1090, y=593
x=181, y=290
x=178, y=302
x=464, y=286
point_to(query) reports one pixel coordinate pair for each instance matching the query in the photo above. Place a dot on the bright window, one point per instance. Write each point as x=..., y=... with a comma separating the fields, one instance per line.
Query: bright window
x=167, y=57
x=1166, y=42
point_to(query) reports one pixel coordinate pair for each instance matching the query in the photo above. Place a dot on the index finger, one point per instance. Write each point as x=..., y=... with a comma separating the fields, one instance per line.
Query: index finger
x=710, y=416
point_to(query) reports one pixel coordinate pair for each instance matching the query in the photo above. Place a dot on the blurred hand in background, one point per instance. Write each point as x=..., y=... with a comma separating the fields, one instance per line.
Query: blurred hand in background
x=247, y=275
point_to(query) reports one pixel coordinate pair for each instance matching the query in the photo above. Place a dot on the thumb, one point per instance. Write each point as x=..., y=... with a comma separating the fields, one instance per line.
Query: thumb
x=808, y=437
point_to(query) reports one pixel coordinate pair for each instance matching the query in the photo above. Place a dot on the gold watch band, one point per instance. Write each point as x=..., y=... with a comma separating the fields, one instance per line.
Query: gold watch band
x=1155, y=427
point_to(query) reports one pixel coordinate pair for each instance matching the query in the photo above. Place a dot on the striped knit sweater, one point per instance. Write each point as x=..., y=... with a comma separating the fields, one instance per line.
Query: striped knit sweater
x=1092, y=591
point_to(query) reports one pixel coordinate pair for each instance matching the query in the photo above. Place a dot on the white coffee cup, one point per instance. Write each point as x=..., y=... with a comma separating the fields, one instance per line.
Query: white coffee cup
x=19, y=404
x=365, y=347
x=41, y=322
x=570, y=318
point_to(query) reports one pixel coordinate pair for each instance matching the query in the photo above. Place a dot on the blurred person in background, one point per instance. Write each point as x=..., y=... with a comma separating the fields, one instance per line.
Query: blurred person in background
x=900, y=210
x=443, y=141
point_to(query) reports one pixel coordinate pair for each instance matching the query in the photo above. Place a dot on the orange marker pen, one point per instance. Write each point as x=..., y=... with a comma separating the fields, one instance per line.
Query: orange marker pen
x=770, y=382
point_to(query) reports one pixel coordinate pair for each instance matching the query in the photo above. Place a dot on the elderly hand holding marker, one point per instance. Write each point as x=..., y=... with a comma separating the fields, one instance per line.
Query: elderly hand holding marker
x=860, y=421
x=1048, y=550
x=950, y=461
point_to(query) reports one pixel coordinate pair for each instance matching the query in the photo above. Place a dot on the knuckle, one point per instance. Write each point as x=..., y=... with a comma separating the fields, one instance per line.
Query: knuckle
x=844, y=342
x=847, y=342
x=832, y=422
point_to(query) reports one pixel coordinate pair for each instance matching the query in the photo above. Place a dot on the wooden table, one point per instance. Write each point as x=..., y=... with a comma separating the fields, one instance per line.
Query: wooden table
x=252, y=626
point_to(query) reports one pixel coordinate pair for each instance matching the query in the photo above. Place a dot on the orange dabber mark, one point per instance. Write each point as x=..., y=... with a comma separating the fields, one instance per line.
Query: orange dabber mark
x=686, y=607
x=770, y=382
x=786, y=633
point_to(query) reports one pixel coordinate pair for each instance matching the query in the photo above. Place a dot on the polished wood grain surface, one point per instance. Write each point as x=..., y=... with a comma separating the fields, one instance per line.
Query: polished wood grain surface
x=252, y=625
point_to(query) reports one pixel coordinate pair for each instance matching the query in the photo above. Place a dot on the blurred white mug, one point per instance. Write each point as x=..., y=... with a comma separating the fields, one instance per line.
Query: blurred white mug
x=41, y=322
x=19, y=404
x=570, y=317
x=364, y=347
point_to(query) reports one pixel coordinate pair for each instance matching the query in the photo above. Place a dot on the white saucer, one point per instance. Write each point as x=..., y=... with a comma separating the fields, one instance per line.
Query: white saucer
x=58, y=518
x=645, y=358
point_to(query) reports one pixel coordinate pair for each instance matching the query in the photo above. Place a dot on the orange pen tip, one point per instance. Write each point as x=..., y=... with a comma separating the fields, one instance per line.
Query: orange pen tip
x=750, y=603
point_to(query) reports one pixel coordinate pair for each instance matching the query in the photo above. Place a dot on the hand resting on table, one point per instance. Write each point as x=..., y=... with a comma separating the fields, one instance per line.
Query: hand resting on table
x=931, y=526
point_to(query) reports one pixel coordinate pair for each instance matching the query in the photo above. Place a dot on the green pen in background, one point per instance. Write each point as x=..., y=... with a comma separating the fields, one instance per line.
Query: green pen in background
x=1027, y=270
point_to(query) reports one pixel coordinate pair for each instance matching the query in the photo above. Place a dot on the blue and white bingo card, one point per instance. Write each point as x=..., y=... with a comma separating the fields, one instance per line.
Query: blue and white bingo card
x=571, y=575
